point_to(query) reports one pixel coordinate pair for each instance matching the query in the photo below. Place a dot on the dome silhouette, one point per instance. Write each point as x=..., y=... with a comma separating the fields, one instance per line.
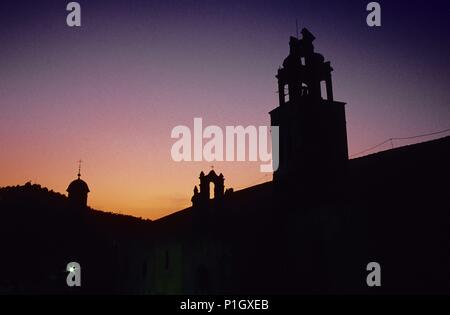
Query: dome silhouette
x=78, y=192
x=78, y=186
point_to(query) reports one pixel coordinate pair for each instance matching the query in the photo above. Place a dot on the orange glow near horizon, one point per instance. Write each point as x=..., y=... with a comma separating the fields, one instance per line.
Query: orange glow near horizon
x=129, y=185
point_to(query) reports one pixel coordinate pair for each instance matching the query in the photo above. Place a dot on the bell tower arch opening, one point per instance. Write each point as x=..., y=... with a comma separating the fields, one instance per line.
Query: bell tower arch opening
x=211, y=188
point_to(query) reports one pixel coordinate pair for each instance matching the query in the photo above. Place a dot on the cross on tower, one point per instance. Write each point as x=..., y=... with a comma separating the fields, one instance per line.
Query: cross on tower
x=79, y=168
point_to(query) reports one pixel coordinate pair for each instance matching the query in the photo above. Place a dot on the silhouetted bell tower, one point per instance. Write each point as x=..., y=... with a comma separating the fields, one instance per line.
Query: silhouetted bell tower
x=313, y=136
x=78, y=192
x=202, y=197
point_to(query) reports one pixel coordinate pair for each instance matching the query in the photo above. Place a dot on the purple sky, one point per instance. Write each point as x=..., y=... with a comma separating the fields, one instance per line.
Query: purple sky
x=111, y=91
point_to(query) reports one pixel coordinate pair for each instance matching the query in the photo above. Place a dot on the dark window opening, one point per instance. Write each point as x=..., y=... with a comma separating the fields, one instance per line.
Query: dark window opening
x=203, y=281
x=144, y=270
x=166, y=264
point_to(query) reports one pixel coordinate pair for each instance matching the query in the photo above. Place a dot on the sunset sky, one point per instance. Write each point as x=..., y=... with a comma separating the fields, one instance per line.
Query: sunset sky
x=111, y=91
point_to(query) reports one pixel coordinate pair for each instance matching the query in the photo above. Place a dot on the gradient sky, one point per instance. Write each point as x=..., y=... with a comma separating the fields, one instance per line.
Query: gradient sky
x=111, y=91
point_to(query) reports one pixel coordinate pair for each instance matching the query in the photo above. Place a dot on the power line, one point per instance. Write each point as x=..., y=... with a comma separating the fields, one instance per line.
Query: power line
x=423, y=135
x=371, y=148
x=400, y=138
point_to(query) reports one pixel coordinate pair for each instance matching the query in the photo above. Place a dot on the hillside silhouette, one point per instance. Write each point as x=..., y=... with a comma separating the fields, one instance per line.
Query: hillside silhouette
x=41, y=232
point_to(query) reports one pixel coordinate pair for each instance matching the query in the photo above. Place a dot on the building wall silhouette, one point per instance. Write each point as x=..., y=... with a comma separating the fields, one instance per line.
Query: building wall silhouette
x=312, y=230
